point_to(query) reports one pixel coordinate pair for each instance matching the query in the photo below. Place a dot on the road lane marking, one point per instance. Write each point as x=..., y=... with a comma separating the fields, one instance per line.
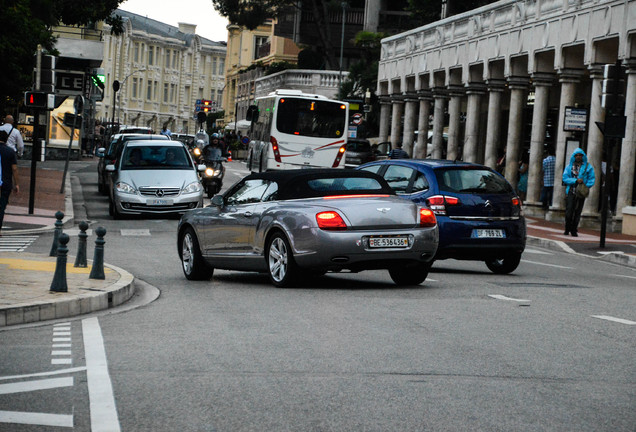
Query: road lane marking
x=57, y=361
x=61, y=333
x=103, y=412
x=502, y=297
x=61, y=352
x=28, y=386
x=33, y=418
x=545, y=264
x=47, y=373
x=614, y=319
x=58, y=345
x=61, y=339
x=135, y=232
x=625, y=276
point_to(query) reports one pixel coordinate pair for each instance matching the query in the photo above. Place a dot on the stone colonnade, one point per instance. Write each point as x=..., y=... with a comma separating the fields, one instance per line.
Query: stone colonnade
x=500, y=79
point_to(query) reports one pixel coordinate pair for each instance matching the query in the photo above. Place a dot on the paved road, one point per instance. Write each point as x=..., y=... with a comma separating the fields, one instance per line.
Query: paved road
x=550, y=347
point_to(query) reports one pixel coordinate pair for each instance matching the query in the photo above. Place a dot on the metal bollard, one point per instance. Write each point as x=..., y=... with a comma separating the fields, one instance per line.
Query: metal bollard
x=97, y=272
x=80, y=259
x=59, y=278
x=56, y=234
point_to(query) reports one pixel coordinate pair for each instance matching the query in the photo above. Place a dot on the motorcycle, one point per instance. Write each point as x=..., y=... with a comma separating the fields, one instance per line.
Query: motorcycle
x=212, y=176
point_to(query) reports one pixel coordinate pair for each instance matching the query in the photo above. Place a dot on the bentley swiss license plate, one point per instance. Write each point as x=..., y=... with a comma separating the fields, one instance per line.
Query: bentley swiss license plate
x=488, y=233
x=388, y=242
x=159, y=202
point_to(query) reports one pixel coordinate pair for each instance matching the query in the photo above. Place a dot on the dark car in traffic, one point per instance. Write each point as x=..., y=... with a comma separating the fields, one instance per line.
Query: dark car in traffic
x=478, y=212
x=358, y=152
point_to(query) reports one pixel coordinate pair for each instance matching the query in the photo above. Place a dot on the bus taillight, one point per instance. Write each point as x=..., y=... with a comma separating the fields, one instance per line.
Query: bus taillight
x=275, y=149
x=341, y=152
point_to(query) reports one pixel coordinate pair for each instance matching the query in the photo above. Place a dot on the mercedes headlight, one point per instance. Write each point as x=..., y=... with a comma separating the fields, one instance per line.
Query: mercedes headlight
x=192, y=188
x=125, y=188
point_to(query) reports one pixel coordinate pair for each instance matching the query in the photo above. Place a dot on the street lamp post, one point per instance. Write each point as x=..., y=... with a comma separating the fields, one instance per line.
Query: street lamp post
x=344, y=16
x=122, y=85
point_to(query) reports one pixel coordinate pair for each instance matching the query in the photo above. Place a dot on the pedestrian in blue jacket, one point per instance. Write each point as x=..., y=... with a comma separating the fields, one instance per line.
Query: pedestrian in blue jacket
x=577, y=172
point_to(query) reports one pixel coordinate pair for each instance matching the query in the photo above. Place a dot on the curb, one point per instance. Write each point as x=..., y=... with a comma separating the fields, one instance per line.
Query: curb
x=91, y=301
x=616, y=258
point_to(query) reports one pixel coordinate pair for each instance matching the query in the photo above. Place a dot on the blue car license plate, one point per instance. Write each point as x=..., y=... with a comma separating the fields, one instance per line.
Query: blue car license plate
x=388, y=242
x=488, y=233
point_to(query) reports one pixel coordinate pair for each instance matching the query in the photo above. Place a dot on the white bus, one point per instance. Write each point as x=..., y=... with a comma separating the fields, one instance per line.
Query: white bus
x=291, y=129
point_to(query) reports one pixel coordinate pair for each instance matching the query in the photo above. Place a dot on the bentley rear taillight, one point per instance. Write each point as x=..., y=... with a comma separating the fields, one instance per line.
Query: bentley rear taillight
x=427, y=218
x=330, y=220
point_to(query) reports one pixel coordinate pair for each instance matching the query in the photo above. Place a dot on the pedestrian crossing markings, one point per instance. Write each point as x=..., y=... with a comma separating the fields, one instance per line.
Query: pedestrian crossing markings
x=15, y=243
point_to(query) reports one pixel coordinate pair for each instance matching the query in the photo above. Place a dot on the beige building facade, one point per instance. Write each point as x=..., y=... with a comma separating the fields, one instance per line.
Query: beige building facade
x=162, y=70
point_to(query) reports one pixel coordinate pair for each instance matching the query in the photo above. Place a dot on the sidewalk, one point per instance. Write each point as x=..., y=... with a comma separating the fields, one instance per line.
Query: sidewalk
x=25, y=278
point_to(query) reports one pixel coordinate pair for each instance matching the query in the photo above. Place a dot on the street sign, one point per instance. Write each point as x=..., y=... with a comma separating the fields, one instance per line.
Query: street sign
x=69, y=83
x=356, y=119
x=575, y=119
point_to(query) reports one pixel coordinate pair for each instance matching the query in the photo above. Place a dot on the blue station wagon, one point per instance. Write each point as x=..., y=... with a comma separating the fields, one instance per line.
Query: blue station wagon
x=478, y=212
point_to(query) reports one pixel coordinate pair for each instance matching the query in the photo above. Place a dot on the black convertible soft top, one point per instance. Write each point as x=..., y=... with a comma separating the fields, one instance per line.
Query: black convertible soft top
x=305, y=183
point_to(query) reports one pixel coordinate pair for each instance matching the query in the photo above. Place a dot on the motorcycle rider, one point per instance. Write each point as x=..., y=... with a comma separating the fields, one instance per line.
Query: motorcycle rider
x=212, y=151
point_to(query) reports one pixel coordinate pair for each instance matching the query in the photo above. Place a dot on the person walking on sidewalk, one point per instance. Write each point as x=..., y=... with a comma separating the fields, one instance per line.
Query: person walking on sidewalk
x=578, y=172
x=548, y=178
x=14, y=140
x=8, y=175
x=398, y=152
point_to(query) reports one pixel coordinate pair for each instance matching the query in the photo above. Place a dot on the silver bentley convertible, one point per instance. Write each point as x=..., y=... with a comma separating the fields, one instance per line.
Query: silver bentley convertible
x=300, y=222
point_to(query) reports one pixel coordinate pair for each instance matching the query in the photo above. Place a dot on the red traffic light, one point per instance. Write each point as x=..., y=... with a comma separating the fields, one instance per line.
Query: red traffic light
x=36, y=99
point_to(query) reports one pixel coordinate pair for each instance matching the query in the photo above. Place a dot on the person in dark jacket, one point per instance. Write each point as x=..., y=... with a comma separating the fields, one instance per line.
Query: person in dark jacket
x=577, y=172
x=398, y=153
x=8, y=174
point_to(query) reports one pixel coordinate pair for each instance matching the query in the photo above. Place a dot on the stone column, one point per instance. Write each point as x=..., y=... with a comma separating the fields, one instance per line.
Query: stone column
x=421, y=149
x=628, y=149
x=454, y=112
x=493, y=126
x=385, y=118
x=410, y=116
x=568, y=79
x=473, y=109
x=438, y=123
x=542, y=83
x=518, y=87
x=594, y=142
x=396, y=119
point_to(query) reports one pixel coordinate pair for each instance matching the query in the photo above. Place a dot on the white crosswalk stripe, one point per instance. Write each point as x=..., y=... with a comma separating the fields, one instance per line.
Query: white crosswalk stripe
x=16, y=243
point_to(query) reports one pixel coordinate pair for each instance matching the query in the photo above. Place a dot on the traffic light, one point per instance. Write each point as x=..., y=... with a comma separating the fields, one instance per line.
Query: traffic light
x=39, y=100
x=98, y=77
x=207, y=105
x=47, y=74
x=613, y=96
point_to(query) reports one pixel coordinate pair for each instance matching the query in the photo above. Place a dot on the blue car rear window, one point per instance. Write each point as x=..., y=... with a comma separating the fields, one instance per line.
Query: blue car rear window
x=343, y=184
x=477, y=181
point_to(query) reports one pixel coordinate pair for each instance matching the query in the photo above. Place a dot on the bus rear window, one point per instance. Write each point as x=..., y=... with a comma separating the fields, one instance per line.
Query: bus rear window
x=311, y=118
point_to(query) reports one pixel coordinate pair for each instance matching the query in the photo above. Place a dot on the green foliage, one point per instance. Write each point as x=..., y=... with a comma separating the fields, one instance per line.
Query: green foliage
x=27, y=23
x=250, y=13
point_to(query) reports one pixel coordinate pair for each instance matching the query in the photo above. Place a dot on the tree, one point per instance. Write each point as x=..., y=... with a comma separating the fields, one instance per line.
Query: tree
x=27, y=23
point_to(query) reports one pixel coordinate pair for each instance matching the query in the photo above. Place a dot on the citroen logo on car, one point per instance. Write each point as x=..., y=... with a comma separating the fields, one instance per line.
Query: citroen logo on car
x=159, y=193
x=383, y=209
x=488, y=204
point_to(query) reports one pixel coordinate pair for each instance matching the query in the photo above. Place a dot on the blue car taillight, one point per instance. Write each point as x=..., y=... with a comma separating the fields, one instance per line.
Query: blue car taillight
x=438, y=203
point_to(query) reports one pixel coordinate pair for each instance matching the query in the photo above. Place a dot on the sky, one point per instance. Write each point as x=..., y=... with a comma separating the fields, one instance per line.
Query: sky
x=209, y=23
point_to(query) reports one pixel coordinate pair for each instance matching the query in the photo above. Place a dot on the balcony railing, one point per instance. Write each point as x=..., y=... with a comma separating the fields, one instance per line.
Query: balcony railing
x=309, y=81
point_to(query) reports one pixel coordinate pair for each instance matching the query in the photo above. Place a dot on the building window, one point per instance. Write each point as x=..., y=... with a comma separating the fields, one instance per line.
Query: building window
x=188, y=65
x=154, y=89
x=259, y=41
x=187, y=95
x=165, y=92
x=214, y=66
x=167, y=63
x=173, y=90
x=175, y=59
x=149, y=90
x=136, y=55
x=135, y=84
x=151, y=55
x=221, y=66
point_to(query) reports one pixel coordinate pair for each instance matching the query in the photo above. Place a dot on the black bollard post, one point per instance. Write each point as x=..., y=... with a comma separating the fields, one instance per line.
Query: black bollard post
x=56, y=234
x=59, y=278
x=80, y=259
x=97, y=272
